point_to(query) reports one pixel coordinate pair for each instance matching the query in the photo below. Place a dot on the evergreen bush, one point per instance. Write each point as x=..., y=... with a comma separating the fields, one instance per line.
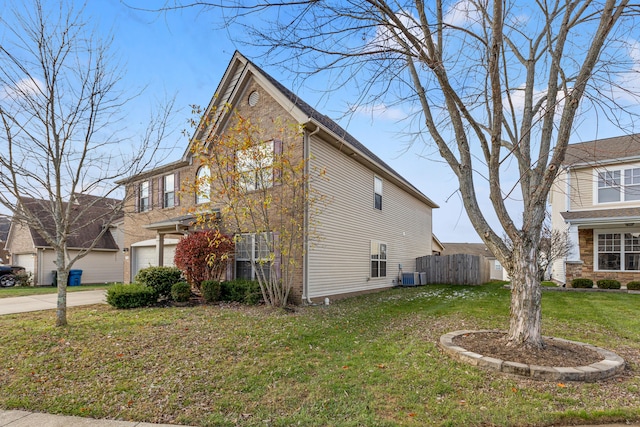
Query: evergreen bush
x=608, y=284
x=160, y=279
x=211, y=290
x=242, y=291
x=181, y=292
x=130, y=296
x=582, y=283
x=633, y=285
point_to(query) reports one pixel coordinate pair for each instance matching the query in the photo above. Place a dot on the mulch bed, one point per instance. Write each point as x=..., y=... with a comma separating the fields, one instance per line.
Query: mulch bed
x=554, y=353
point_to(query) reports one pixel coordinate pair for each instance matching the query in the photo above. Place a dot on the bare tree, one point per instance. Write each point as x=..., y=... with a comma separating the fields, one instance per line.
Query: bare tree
x=60, y=104
x=554, y=244
x=497, y=84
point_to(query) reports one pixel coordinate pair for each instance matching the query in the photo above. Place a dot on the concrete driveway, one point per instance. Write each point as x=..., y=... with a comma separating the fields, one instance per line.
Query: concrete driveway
x=48, y=301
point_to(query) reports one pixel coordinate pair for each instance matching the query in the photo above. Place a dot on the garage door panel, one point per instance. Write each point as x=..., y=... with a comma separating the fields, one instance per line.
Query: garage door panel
x=145, y=256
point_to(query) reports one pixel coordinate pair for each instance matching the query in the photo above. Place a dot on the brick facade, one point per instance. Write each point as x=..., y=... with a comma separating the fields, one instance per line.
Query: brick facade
x=266, y=114
x=585, y=268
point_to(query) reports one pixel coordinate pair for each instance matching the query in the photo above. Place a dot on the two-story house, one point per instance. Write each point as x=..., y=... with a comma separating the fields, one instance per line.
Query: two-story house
x=374, y=226
x=596, y=198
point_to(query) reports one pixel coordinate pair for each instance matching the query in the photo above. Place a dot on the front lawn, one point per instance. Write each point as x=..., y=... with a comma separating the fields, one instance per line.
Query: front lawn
x=22, y=291
x=367, y=361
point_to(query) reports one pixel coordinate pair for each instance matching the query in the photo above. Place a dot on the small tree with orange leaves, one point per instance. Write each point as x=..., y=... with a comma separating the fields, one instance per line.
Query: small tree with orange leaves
x=260, y=181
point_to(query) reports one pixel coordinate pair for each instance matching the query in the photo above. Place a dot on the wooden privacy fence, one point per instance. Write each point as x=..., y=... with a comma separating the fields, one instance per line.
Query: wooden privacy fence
x=460, y=269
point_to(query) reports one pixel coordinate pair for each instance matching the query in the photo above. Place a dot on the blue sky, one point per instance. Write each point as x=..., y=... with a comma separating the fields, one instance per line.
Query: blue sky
x=183, y=54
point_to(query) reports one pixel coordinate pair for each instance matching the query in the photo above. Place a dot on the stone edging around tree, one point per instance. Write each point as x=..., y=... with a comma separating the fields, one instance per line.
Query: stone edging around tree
x=610, y=365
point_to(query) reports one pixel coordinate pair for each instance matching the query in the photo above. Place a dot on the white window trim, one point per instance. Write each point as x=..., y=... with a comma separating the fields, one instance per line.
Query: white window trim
x=371, y=259
x=376, y=178
x=166, y=191
x=622, y=232
x=203, y=188
x=255, y=257
x=141, y=207
x=245, y=165
x=621, y=169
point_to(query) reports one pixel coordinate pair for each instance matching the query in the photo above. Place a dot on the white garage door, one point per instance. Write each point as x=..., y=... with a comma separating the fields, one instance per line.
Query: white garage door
x=145, y=256
x=23, y=260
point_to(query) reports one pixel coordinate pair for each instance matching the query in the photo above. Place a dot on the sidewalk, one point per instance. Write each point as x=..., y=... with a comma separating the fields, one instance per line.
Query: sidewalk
x=49, y=301
x=28, y=419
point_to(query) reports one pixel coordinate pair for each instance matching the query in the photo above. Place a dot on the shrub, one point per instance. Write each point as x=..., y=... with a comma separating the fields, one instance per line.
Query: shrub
x=582, y=283
x=203, y=255
x=634, y=285
x=242, y=291
x=24, y=279
x=608, y=284
x=160, y=279
x=211, y=290
x=130, y=296
x=181, y=291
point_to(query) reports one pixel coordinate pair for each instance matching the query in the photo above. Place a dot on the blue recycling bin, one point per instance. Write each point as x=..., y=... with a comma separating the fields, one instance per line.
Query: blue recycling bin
x=75, y=277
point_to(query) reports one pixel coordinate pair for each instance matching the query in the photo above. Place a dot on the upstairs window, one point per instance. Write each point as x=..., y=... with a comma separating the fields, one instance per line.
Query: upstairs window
x=255, y=167
x=608, y=186
x=632, y=184
x=203, y=185
x=377, y=193
x=619, y=185
x=144, y=201
x=378, y=259
x=168, y=193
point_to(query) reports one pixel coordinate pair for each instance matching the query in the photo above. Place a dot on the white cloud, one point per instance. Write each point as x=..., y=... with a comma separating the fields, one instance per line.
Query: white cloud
x=380, y=112
x=463, y=13
x=24, y=88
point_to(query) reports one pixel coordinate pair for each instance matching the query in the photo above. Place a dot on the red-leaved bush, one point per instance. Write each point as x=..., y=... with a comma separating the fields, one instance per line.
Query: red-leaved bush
x=203, y=255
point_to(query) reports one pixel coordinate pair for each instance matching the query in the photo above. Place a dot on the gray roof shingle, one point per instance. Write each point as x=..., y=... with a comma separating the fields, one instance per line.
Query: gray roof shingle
x=603, y=150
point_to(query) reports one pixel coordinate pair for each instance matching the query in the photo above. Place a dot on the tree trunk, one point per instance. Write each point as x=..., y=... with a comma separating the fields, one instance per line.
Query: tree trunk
x=525, y=325
x=63, y=274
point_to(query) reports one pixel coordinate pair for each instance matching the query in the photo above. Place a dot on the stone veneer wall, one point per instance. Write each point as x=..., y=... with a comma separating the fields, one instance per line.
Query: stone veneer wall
x=585, y=267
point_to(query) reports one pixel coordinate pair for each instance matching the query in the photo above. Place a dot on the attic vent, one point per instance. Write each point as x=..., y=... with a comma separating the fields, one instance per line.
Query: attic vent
x=254, y=97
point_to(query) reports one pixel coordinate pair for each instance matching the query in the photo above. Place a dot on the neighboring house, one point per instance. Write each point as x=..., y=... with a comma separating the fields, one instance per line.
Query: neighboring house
x=596, y=197
x=436, y=246
x=5, y=224
x=103, y=264
x=478, y=249
x=375, y=224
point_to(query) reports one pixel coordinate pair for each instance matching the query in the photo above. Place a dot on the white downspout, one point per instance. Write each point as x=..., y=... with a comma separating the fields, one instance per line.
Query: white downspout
x=305, y=260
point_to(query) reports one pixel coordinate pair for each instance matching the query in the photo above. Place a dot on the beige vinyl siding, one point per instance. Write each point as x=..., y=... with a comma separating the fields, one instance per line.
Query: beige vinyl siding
x=340, y=261
x=96, y=266
x=582, y=187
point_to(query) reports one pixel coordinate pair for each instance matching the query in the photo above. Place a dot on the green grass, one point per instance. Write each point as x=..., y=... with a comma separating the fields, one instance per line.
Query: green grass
x=21, y=291
x=367, y=361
